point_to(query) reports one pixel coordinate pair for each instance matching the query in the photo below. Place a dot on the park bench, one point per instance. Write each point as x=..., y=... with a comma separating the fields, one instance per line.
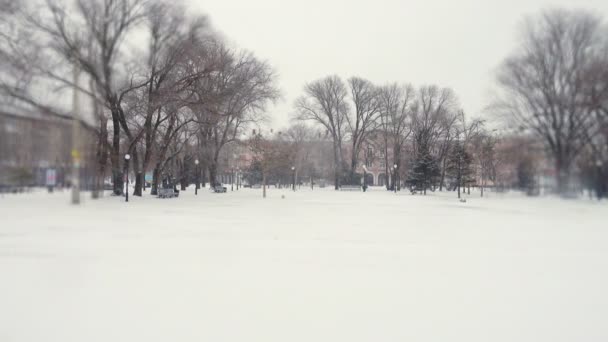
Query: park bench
x=350, y=188
x=167, y=193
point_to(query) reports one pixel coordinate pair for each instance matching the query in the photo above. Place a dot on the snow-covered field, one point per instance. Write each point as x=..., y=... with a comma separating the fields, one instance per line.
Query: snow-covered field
x=314, y=266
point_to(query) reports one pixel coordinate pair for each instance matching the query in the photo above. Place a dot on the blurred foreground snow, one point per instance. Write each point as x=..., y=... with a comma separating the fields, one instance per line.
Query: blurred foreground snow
x=315, y=266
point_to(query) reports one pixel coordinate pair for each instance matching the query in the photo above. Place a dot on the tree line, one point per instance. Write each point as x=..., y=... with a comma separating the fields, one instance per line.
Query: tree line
x=552, y=90
x=164, y=86
x=422, y=134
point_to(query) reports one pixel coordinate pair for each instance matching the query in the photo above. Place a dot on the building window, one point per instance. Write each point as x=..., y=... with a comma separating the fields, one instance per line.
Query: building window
x=369, y=157
x=10, y=127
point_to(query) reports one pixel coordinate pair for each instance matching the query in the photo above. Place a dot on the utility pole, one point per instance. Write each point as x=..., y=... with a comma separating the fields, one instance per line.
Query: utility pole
x=75, y=140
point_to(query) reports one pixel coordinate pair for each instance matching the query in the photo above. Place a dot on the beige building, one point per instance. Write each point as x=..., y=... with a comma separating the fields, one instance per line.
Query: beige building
x=32, y=143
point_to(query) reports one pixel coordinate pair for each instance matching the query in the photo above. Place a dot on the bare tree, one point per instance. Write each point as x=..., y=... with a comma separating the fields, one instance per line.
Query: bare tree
x=398, y=103
x=449, y=135
x=484, y=152
x=300, y=136
x=240, y=90
x=324, y=102
x=89, y=39
x=269, y=154
x=366, y=110
x=545, y=84
x=171, y=36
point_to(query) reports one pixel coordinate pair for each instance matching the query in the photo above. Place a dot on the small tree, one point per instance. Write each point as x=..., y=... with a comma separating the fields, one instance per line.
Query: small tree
x=425, y=169
x=459, y=166
x=268, y=157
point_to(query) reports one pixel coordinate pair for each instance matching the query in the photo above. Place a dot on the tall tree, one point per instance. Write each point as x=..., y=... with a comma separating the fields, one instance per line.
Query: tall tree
x=241, y=89
x=89, y=40
x=459, y=165
x=484, y=153
x=397, y=105
x=363, y=119
x=432, y=126
x=545, y=84
x=424, y=169
x=325, y=103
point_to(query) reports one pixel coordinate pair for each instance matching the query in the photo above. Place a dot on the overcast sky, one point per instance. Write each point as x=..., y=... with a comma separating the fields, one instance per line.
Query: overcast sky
x=452, y=43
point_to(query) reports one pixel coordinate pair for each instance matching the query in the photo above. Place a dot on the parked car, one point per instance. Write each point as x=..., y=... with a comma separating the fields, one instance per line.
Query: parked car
x=218, y=187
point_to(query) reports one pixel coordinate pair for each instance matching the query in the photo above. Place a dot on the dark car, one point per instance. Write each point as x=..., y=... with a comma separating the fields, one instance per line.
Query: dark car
x=218, y=188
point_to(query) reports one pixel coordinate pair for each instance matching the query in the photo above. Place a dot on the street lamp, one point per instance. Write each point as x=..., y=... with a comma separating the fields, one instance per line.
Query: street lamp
x=127, y=158
x=364, y=177
x=395, y=178
x=198, y=182
x=293, y=171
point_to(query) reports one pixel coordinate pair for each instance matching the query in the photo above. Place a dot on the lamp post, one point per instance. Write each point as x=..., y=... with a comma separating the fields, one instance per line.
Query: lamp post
x=364, y=177
x=127, y=158
x=395, y=178
x=232, y=179
x=198, y=182
x=293, y=171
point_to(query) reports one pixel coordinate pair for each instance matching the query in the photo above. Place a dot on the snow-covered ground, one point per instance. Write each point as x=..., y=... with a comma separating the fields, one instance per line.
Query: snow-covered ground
x=314, y=266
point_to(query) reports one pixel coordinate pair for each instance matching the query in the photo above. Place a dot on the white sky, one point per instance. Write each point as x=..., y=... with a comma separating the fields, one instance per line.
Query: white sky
x=453, y=43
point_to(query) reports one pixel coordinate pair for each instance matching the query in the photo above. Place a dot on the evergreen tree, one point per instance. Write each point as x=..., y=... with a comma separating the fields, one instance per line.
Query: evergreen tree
x=459, y=166
x=424, y=170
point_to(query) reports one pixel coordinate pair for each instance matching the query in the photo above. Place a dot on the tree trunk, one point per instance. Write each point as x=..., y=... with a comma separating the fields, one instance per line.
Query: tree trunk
x=263, y=184
x=139, y=180
x=441, y=182
x=183, y=176
x=117, y=175
x=204, y=178
x=482, y=183
x=337, y=165
x=353, y=163
x=102, y=157
x=139, y=177
x=212, y=173
x=155, y=181
x=563, y=175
